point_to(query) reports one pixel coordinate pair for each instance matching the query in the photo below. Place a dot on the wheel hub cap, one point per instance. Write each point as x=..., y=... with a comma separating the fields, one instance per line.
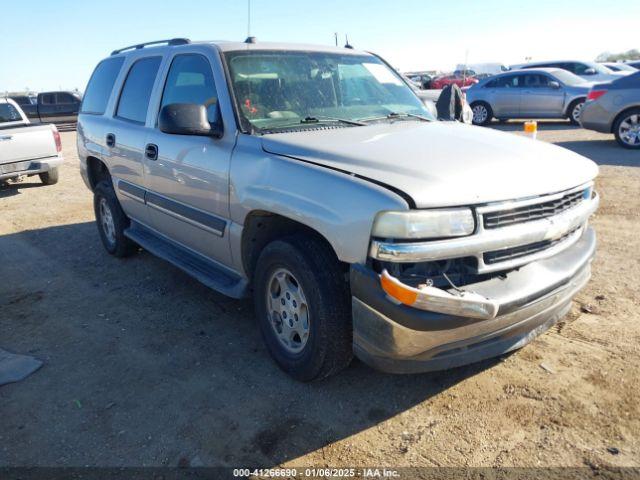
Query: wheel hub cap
x=288, y=310
x=630, y=130
x=106, y=219
x=576, y=111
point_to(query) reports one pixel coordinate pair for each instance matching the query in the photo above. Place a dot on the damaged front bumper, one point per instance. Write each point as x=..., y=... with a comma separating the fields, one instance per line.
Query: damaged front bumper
x=439, y=332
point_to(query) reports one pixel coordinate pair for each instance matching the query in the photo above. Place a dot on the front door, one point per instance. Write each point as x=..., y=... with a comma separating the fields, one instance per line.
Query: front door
x=188, y=176
x=540, y=99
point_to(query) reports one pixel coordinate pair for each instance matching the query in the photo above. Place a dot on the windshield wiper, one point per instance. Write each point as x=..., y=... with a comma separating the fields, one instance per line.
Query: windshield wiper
x=395, y=115
x=311, y=120
x=320, y=119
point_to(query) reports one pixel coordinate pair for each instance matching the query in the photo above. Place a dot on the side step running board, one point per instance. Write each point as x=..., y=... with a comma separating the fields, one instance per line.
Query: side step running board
x=205, y=271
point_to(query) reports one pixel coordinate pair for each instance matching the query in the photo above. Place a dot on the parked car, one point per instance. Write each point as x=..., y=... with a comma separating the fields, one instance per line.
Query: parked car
x=634, y=63
x=591, y=71
x=356, y=221
x=619, y=67
x=27, y=149
x=615, y=108
x=539, y=93
x=421, y=79
x=452, y=79
x=54, y=107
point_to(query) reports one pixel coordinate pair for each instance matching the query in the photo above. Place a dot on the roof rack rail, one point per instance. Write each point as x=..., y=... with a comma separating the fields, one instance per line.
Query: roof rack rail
x=170, y=41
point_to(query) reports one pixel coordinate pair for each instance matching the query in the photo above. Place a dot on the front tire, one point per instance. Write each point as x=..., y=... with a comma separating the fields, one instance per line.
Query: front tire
x=482, y=113
x=49, y=177
x=302, y=302
x=575, y=109
x=626, y=128
x=111, y=221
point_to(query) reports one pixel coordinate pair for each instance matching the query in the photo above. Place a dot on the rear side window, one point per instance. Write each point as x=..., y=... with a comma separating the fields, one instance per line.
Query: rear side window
x=8, y=113
x=65, y=98
x=136, y=92
x=190, y=80
x=508, y=81
x=100, y=85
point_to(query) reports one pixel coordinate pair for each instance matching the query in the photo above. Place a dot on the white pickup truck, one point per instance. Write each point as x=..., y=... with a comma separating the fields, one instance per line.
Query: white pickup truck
x=26, y=148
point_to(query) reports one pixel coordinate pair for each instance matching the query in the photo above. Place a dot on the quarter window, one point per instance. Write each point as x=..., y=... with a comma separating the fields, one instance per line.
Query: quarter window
x=100, y=85
x=136, y=92
x=190, y=80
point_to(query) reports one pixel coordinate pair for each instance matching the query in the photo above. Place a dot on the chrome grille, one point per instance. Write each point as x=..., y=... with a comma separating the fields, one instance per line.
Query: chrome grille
x=523, y=250
x=528, y=213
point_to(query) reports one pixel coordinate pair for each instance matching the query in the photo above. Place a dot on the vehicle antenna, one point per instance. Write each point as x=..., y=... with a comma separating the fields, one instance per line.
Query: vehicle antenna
x=248, y=18
x=346, y=39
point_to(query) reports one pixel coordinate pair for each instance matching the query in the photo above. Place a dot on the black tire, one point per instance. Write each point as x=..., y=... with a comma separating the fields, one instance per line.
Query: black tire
x=488, y=110
x=116, y=244
x=616, y=128
x=50, y=177
x=315, y=267
x=570, y=111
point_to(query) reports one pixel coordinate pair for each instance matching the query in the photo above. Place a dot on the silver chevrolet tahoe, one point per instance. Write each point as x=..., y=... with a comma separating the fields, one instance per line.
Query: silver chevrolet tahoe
x=315, y=180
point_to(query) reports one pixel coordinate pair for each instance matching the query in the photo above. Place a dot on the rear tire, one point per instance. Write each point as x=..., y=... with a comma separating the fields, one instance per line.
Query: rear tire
x=574, y=111
x=482, y=113
x=111, y=221
x=49, y=177
x=626, y=128
x=302, y=302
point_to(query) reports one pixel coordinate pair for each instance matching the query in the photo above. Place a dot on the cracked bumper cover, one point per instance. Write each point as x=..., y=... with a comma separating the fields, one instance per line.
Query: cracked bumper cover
x=398, y=338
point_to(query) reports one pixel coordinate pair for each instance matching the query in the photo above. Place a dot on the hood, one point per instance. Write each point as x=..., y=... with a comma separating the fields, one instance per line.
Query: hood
x=440, y=164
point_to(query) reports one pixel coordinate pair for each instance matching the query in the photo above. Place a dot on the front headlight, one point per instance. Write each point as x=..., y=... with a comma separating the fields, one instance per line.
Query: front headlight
x=419, y=224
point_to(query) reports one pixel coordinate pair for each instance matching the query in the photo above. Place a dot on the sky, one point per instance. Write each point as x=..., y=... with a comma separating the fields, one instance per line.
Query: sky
x=56, y=44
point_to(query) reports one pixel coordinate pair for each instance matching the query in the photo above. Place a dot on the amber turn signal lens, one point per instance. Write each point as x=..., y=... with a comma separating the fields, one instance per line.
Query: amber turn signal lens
x=397, y=290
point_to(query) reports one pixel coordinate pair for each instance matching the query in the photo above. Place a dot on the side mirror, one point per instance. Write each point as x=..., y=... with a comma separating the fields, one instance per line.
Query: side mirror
x=553, y=84
x=589, y=71
x=190, y=119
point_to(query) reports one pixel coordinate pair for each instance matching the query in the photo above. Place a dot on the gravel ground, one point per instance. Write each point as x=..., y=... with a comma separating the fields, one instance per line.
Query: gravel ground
x=145, y=366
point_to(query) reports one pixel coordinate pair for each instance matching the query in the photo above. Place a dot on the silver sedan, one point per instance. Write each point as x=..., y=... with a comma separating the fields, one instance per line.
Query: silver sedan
x=615, y=108
x=531, y=93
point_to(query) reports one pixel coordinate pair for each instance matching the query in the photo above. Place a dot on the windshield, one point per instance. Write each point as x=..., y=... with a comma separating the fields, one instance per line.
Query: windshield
x=599, y=68
x=569, y=78
x=279, y=90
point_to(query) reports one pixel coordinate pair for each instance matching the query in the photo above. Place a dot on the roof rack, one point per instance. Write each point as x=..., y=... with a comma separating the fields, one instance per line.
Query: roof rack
x=171, y=42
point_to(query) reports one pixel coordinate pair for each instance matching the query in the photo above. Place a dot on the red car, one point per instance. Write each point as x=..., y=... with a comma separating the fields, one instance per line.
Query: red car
x=444, y=80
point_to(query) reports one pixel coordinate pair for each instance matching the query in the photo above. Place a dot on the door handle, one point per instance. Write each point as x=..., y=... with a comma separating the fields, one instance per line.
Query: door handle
x=151, y=151
x=111, y=140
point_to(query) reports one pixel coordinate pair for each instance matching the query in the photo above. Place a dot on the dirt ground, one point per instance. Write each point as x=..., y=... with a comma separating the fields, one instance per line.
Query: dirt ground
x=145, y=366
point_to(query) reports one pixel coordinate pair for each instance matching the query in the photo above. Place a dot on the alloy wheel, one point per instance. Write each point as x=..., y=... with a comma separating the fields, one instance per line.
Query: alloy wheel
x=629, y=130
x=480, y=114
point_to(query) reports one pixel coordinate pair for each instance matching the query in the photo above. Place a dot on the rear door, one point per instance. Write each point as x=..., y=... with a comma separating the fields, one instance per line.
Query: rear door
x=126, y=133
x=504, y=96
x=539, y=99
x=188, y=178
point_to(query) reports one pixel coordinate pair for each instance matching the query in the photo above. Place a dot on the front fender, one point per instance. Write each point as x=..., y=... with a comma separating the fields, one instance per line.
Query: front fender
x=339, y=206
